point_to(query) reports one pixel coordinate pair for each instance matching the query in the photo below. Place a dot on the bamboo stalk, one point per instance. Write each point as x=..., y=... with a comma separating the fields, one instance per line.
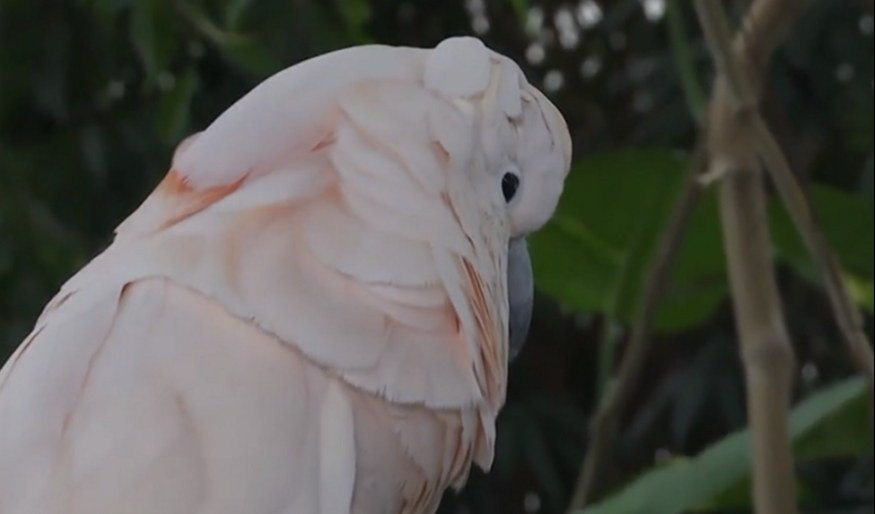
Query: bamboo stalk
x=743, y=63
x=767, y=353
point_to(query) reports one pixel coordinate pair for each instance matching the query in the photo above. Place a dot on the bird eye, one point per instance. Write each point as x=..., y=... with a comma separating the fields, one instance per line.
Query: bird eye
x=509, y=184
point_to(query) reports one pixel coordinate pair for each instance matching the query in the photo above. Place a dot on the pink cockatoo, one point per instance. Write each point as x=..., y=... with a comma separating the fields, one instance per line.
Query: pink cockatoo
x=311, y=314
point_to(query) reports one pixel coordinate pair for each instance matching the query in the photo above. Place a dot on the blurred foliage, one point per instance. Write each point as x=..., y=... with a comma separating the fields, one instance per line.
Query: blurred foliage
x=677, y=486
x=95, y=94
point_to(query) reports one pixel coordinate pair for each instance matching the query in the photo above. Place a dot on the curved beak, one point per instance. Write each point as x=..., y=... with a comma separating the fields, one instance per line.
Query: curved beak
x=520, y=293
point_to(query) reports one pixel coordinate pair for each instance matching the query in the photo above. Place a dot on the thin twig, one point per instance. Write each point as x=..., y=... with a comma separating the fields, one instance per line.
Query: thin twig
x=847, y=315
x=620, y=389
x=618, y=392
x=765, y=344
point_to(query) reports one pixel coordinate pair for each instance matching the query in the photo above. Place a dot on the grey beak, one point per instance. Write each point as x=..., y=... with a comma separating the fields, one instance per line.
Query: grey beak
x=520, y=293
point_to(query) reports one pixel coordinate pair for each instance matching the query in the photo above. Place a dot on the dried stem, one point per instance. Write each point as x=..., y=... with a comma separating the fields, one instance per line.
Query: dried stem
x=618, y=392
x=766, y=350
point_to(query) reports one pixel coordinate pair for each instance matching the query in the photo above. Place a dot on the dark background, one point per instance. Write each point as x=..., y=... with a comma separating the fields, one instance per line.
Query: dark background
x=94, y=95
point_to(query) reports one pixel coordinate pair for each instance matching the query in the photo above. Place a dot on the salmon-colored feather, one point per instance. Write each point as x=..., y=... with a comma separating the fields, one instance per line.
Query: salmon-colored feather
x=308, y=315
x=173, y=201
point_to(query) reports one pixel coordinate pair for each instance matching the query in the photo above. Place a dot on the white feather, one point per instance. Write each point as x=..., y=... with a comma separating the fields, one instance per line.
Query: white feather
x=336, y=453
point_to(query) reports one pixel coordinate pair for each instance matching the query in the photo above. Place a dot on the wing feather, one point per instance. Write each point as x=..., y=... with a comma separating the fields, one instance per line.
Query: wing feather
x=166, y=402
x=275, y=287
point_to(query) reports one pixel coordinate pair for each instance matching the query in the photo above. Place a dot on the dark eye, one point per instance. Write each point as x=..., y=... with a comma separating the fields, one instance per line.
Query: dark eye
x=509, y=184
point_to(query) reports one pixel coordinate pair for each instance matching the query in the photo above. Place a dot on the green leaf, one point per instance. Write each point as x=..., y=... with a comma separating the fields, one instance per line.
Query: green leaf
x=521, y=8
x=698, y=284
x=153, y=35
x=242, y=50
x=603, y=225
x=251, y=55
x=847, y=432
x=107, y=8
x=355, y=13
x=174, y=107
x=849, y=223
x=833, y=420
x=234, y=10
x=683, y=59
x=593, y=254
x=862, y=291
x=572, y=265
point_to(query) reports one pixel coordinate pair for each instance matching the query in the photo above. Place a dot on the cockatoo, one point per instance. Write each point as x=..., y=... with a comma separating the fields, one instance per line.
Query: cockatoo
x=311, y=313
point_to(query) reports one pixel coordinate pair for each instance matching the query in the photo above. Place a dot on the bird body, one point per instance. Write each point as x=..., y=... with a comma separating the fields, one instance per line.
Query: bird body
x=309, y=314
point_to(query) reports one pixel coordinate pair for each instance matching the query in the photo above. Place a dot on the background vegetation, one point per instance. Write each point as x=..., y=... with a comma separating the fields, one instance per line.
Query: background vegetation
x=94, y=95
